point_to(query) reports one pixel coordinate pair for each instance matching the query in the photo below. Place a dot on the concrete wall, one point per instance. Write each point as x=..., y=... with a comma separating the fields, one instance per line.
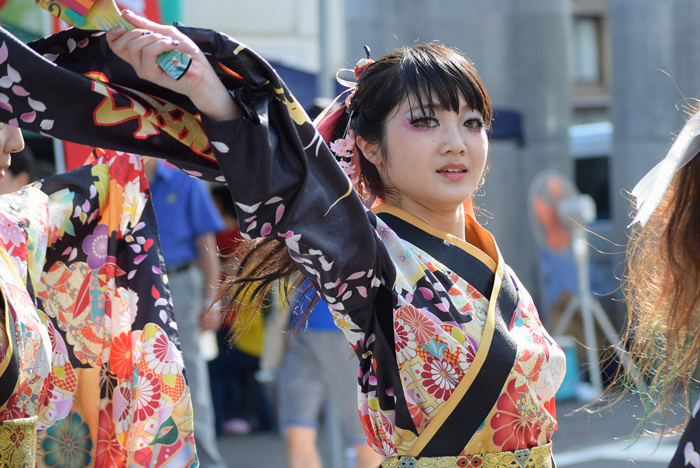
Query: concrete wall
x=651, y=39
x=520, y=49
x=285, y=31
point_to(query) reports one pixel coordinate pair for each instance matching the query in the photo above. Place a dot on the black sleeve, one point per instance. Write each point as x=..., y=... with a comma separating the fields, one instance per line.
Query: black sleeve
x=283, y=177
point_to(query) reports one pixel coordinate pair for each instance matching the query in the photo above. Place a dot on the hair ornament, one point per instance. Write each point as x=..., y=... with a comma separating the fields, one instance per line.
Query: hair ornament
x=651, y=189
x=345, y=154
x=344, y=148
x=362, y=64
x=357, y=72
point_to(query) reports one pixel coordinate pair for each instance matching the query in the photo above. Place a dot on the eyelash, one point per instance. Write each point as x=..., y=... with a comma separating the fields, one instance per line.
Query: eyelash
x=480, y=124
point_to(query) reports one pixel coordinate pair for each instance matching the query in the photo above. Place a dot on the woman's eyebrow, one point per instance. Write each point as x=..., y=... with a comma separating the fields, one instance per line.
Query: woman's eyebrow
x=438, y=107
x=426, y=107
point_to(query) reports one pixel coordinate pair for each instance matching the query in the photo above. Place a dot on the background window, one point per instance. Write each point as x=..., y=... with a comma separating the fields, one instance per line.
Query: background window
x=586, y=56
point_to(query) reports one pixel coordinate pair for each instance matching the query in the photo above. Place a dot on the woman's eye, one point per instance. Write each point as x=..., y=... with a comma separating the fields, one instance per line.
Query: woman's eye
x=474, y=124
x=425, y=122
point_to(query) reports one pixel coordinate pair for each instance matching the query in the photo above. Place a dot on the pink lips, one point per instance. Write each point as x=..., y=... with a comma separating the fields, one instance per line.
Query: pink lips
x=454, y=172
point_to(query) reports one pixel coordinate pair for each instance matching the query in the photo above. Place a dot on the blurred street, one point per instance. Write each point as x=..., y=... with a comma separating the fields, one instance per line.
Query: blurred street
x=582, y=441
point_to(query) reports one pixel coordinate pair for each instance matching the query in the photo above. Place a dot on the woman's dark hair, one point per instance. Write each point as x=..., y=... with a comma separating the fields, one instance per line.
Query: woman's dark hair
x=428, y=75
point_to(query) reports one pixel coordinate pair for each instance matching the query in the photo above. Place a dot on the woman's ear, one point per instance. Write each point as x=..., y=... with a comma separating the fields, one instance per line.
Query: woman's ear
x=22, y=179
x=369, y=151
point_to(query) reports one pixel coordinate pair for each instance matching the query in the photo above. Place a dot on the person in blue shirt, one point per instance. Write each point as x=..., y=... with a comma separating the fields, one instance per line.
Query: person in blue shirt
x=187, y=224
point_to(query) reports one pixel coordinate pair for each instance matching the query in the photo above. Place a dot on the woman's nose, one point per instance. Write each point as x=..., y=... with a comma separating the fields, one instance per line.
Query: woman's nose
x=453, y=140
x=14, y=142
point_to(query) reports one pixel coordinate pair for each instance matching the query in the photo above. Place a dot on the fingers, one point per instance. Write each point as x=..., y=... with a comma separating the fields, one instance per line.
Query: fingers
x=128, y=46
x=143, y=23
x=115, y=33
x=142, y=45
x=140, y=48
x=169, y=31
x=144, y=50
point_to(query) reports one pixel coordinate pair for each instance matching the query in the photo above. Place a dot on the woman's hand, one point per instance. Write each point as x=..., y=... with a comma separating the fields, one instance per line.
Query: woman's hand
x=141, y=46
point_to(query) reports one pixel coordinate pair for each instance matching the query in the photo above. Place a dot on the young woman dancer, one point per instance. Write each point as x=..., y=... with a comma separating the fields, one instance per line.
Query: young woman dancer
x=454, y=362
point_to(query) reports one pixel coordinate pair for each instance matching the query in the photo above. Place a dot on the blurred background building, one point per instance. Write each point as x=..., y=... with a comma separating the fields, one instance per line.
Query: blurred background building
x=591, y=88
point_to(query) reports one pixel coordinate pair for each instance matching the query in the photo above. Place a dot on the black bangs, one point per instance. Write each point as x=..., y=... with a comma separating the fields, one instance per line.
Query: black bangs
x=428, y=72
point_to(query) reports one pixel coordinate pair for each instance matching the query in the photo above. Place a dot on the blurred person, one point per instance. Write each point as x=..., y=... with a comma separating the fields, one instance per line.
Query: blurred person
x=240, y=403
x=187, y=225
x=454, y=364
x=21, y=172
x=228, y=239
x=318, y=365
x=662, y=287
x=90, y=369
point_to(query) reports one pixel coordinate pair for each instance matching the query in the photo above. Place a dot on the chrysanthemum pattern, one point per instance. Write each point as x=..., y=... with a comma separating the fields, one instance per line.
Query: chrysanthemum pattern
x=146, y=397
x=440, y=378
x=58, y=240
x=513, y=422
x=406, y=345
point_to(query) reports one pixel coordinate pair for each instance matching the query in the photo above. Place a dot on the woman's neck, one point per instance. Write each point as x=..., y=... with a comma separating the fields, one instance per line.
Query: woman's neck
x=449, y=221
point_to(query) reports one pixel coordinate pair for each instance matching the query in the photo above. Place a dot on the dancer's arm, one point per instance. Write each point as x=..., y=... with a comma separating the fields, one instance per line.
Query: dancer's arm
x=284, y=179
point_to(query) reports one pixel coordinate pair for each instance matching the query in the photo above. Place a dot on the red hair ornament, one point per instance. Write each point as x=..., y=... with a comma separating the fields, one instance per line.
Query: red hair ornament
x=344, y=148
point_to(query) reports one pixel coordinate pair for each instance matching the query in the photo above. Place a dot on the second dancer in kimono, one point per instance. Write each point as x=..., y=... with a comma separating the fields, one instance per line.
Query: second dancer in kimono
x=455, y=367
x=91, y=374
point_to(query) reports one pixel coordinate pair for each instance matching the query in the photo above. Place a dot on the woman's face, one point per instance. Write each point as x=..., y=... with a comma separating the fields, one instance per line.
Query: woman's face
x=11, y=141
x=435, y=162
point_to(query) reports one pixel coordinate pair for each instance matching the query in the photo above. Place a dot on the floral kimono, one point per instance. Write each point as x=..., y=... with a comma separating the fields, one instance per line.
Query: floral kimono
x=91, y=373
x=453, y=359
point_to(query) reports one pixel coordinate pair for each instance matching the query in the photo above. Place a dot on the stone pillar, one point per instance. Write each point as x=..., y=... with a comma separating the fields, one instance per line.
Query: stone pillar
x=656, y=63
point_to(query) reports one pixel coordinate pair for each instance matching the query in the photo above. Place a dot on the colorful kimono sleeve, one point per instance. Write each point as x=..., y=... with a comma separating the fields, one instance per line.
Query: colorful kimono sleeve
x=114, y=393
x=286, y=182
x=303, y=199
x=284, y=178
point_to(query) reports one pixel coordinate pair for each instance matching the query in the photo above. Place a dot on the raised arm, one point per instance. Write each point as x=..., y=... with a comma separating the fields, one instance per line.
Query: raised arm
x=283, y=177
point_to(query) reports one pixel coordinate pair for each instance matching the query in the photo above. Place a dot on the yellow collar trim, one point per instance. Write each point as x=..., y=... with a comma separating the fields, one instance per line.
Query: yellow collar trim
x=422, y=225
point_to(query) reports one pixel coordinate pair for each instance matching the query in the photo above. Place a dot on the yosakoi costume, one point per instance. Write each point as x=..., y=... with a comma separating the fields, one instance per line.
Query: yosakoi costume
x=454, y=361
x=92, y=374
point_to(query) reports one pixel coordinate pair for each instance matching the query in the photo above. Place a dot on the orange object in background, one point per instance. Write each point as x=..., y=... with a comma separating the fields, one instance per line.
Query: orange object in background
x=557, y=236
